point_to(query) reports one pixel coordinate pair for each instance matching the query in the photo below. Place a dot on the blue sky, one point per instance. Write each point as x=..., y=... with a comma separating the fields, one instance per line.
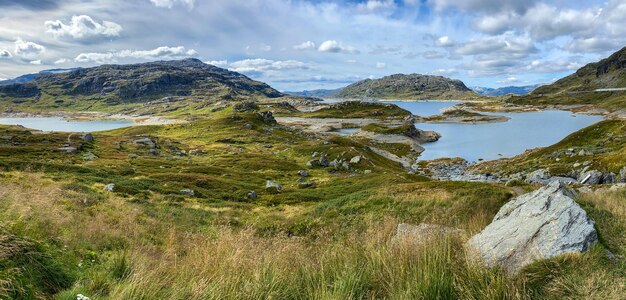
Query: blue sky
x=299, y=44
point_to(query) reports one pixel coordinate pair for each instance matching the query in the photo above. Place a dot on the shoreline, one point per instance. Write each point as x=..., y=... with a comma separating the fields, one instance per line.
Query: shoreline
x=96, y=116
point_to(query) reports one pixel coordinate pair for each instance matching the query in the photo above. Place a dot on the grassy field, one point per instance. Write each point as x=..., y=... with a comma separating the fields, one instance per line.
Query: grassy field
x=62, y=234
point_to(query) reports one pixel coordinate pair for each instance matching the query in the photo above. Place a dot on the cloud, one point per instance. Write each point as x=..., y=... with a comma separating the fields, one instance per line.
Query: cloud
x=483, y=5
x=35, y=62
x=375, y=6
x=31, y=4
x=508, y=80
x=381, y=65
x=553, y=66
x=217, y=63
x=61, y=61
x=444, y=41
x=28, y=50
x=82, y=26
x=260, y=65
x=332, y=46
x=171, y=3
x=4, y=53
x=444, y=72
x=432, y=55
x=308, y=45
x=163, y=52
x=508, y=47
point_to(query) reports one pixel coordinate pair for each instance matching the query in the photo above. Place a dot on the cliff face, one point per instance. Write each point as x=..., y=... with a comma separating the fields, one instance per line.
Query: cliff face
x=412, y=86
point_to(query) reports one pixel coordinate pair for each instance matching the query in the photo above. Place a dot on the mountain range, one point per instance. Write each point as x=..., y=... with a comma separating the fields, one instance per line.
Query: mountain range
x=515, y=90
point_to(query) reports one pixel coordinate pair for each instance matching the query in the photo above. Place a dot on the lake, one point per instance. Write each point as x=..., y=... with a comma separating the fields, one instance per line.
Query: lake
x=491, y=141
x=59, y=124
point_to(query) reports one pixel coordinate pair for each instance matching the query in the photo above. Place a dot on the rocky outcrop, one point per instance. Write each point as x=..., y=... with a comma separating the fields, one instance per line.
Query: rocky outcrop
x=534, y=226
x=273, y=187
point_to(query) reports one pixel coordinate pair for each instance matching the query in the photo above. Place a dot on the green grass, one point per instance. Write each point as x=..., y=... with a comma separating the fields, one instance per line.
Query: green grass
x=358, y=109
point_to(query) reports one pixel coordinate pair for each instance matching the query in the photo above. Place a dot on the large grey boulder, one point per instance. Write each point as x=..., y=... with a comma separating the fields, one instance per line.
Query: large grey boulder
x=538, y=176
x=148, y=142
x=273, y=187
x=591, y=177
x=534, y=226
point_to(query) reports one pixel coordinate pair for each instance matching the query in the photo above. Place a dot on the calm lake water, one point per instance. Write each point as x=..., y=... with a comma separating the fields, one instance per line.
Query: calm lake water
x=60, y=125
x=495, y=140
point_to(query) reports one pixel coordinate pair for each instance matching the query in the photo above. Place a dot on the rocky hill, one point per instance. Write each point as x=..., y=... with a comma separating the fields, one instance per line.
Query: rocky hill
x=515, y=90
x=600, y=83
x=408, y=87
x=321, y=93
x=119, y=84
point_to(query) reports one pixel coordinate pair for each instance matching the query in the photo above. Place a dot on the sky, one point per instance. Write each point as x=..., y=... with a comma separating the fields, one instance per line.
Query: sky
x=319, y=44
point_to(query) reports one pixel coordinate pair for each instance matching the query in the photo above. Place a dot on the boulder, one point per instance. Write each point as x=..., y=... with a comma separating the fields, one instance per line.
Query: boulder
x=89, y=156
x=88, y=138
x=252, y=195
x=423, y=233
x=591, y=177
x=109, y=187
x=68, y=150
x=267, y=117
x=303, y=173
x=535, y=226
x=305, y=184
x=188, y=192
x=608, y=178
x=273, y=187
x=622, y=174
x=355, y=160
x=540, y=176
x=147, y=142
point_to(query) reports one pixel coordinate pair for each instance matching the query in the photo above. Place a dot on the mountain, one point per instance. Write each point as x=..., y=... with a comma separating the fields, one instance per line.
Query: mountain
x=321, y=93
x=601, y=83
x=117, y=84
x=405, y=87
x=515, y=90
x=30, y=77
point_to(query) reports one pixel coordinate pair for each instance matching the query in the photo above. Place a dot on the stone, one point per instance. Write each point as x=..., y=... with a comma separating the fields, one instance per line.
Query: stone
x=68, y=150
x=617, y=187
x=303, y=173
x=153, y=152
x=564, y=180
x=88, y=138
x=147, y=142
x=609, y=178
x=323, y=161
x=252, y=195
x=367, y=172
x=622, y=175
x=345, y=165
x=267, y=117
x=273, y=187
x=109, y=187
x=355, y=160
x=82, y=297
x=534, y=226
x=538, y=176
x=6, y=137
x=188, y=192
x=590, y=177
x=423, y=233
x=89, y=156
x=305, y=184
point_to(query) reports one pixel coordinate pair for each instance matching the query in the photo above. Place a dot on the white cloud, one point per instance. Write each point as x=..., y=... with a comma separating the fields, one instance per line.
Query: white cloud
x=552, y=66
x=35, y=62
x=484, y=5
x=444, y=72
x=171, y=3
x=217, y=63
x=381, y=65
x=164, y=52
x=333, y=46
x=82, y=26
x=265, y=48
x=432, y=55
x=374, y=6
x=260, y=65
x=444, y=41
x=28, y=50
x=4, y=53
x=509, y=47
x=305, y=46
x=508, y=80
x=61, y=61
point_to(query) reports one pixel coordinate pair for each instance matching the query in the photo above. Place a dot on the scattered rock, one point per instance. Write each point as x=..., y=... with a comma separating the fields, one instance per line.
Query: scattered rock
x=109, y=187
x=82, y=297
x=423, y=233
x=305, y=184
x=88, y=138
x=148, y=142
x=6, y=137
x=534, y=226
x=538, y=176
x=622, y=174
x=267, y=117
x=188, y=192
x=608, y=178
x=153, y=152
x=617, y=187
x=273, y=187
x=591, y=177
x=89, y=156
x=252, y=195
x=245, y=106
x=248, y=126
x=68, y=150
x=355, y=160
x=303, y=173
x=367, y=172
x=345, y=165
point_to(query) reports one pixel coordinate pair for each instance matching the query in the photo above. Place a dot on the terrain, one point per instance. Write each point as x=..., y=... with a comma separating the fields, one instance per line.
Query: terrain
x=252, y=196
x=516, y=90
x=600, y=84
x=408, y=87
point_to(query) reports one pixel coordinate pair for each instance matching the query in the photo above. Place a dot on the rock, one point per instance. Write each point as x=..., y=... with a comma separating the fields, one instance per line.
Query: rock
x=252, y=195
x=248, y=126
x=68, y=150
x=423, y=233
x=6, y=137
x=314, y=154
x=323, y=161
x=132, y=156
x=88, y=138
x=82, y=297
x=305, y=184
x=345, y=165
x=622, y=174
x=538, y=176
x=273, y=187
x=188, y=192
x=608, y=178
x=109, y=187
x=591, y=177
x=194, y=152
x=367, y=172
x=245, y=106
x=535, y=226
x=355, y=160
x=148, y=142
x=564, y=180
x=89, y=156
x=267, y=117
x=153, y=152
x=303, y=173
x=617, y=187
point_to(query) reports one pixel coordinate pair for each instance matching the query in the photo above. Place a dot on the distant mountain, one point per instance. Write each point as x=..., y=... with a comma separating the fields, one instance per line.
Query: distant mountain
x=30, y=77
x=515, y=90
x=408, y=87
x=116, y=84
x=601, y=83
x=317, y=93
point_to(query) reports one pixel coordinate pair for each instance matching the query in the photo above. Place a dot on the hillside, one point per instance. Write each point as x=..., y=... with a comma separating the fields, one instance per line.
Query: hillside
x=587, y=86
x=408, y=87
x=135, y=83
x=516, y=90
x=322, y=93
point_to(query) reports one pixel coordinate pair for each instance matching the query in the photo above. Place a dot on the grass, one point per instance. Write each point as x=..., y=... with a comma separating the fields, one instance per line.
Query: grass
x=358, y=109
